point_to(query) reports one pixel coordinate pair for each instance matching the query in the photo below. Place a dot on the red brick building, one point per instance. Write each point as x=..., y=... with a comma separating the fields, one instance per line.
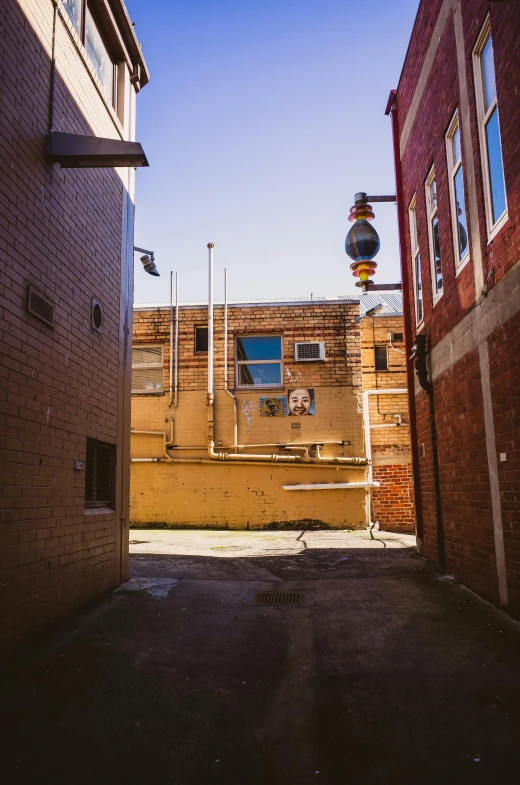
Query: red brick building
x=456, y=120
x=70, y=72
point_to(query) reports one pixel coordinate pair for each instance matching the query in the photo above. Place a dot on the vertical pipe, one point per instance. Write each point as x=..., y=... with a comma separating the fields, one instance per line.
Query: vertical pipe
x=171, y=338
x=235, y=417
x=392, y=110
x=53, y=67
x=210, y=324
x=176, y=399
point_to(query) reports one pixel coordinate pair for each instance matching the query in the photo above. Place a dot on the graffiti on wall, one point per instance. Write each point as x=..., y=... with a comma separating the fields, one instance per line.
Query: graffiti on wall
x=301, y=402
x=273, y=406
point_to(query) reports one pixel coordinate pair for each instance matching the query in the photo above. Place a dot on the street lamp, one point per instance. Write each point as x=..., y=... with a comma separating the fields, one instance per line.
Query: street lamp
x=148, y=261
x=362, y=243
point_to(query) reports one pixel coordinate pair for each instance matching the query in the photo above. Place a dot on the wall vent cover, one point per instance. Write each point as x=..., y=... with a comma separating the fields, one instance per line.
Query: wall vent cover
x=311, y=351
x=40, y=306
x=96, y=315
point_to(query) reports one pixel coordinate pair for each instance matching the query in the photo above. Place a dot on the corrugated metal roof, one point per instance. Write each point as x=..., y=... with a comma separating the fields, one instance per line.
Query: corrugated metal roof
x=392, y=302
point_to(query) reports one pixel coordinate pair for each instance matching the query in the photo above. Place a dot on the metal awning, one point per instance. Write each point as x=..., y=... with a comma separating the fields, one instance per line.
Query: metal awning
x=72, y=151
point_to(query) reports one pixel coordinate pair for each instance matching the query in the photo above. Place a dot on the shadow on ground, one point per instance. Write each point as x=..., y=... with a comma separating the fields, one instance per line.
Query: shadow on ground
x=392, y=676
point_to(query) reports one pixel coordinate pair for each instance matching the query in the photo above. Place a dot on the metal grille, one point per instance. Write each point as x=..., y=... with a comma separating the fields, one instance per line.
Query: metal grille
x=100, y=474
x=277, y=598
x=39, y=306
x=309, y=351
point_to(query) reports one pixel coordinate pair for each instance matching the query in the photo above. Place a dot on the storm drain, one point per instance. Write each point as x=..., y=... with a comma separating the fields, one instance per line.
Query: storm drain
x=277, y=598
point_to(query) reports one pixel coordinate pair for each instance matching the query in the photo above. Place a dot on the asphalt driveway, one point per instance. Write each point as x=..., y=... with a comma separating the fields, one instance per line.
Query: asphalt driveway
x=384, y=672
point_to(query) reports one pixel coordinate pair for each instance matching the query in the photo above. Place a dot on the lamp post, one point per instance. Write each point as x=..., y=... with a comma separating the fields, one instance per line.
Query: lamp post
x=362, y=244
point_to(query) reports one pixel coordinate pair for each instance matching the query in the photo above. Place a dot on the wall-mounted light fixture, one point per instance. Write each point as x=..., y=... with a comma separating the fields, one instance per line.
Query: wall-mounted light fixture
x=148, y=261
x=362, y=243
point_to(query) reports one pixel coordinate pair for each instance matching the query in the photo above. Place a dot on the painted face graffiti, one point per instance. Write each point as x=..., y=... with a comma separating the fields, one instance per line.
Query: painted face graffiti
x=301, y=402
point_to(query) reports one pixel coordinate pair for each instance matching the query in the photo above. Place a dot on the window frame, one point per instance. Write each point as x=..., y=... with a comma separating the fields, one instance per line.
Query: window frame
x=384, y=347
x=96, y=445
x=111, y=96
x=138, y=366
x=431, y=215
x=238, y=362
x=195, y=328
x=483, y=117
x=415, y=252
x=453, y=170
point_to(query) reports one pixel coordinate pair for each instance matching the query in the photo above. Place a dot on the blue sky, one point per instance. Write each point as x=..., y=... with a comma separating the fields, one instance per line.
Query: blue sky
x=260, y=122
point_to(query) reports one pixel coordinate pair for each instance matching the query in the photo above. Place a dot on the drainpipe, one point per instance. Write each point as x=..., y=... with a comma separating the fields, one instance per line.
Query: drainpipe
x=176, y=393
x=53, y=67
x=171, y=339
x=391, y=109
x=233, y=396
x=419, y=357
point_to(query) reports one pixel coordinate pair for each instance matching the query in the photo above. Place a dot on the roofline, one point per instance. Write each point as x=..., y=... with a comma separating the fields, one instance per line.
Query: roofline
x=246, y=304
x=408, y=47
x=126, y=28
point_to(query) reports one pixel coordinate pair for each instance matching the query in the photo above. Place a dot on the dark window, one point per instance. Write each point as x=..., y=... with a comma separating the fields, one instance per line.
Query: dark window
x=201, y=339
x=397, y=337
x=100, y=474
x=381, y=358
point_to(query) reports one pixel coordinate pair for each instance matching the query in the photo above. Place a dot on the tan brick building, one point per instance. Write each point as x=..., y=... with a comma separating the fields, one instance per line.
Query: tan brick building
x=296, y=375
x=70, y=72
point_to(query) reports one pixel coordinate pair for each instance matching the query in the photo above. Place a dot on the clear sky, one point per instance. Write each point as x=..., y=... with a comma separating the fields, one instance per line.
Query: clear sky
x=261, y=120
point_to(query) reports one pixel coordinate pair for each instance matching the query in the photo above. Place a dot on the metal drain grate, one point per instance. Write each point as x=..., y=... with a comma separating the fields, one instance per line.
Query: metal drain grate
x=277, y=598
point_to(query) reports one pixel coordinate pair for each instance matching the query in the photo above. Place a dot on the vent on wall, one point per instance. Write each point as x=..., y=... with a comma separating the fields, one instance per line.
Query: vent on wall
x=40, y=306
x=311, y=351
x=96, y=315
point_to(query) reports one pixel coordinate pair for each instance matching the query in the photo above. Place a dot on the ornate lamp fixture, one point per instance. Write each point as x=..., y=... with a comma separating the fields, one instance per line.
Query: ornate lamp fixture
x=362, y=243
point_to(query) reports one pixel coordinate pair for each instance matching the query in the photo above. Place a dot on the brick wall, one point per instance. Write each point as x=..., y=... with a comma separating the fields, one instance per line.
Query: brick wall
x=465, y=423
x=60, y=231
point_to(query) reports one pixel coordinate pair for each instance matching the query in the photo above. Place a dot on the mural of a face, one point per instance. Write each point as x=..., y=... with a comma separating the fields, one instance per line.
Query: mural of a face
x=301, y=402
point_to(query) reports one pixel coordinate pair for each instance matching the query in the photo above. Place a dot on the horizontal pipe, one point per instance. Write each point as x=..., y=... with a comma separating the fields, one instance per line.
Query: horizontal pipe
x=238, y=460
x=150, y=433
x=390, y=425
x=248, y=446
x=149, y=460
x=330, y=486
x=340, y=459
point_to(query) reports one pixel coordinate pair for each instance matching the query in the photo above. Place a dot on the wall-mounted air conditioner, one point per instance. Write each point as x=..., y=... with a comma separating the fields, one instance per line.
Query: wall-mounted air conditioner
x=309, y=351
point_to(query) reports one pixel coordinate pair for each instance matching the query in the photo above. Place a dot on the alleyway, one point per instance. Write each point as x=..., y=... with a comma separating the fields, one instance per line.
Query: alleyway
x=384, y=674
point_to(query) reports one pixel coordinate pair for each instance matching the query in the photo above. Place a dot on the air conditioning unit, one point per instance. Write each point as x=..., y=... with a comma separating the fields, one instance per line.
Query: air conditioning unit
x=309, y=351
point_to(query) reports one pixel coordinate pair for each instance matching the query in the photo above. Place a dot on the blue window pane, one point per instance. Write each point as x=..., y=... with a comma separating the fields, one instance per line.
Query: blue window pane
x=98, y=55
x=264, y=374
x=496, y=170
x=268, y=347
x=462, y=225
x=456, y=146
x=488, y=73
x=437, y=256
x=73, y=9
x=418, y=292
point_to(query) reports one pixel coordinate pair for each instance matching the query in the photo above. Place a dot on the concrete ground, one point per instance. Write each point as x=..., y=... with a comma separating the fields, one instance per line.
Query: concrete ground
x=387, y=674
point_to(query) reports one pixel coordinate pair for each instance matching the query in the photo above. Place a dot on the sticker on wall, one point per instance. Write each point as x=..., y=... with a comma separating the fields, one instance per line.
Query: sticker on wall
x=301, y=402
x=273, y=406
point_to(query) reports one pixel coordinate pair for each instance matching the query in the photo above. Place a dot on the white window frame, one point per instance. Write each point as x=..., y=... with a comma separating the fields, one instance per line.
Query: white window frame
x=239, y=386
x=453, y=170
x=483, y=116
x=432, y=213
x=149, y=366
x=416, y=254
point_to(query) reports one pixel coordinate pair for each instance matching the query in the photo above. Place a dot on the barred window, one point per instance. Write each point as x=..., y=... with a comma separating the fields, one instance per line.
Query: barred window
x=147, y=370
x=100, y=474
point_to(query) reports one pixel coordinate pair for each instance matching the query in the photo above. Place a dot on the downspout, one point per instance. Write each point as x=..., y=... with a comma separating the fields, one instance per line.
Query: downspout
x=53, y=67
x=176, y=393
x=233, y=396
x=210, y=397
x=391, y=109
x=171, y=339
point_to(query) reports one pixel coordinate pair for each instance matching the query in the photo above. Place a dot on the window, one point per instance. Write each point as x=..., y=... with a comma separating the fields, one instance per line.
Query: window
x=83, y=22
x=433, y=235
x=489, y=132
x=201, y=339
x=100, y=474
x=416, y=262
x=381, y=358
x=258, y=361
x=147, y=369
x=456, y=183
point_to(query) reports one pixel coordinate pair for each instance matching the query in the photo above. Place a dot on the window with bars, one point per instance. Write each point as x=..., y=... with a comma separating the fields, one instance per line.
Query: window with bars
x=416, y=262
x=147, y=370
x=433, y=235
x=381, y=357
x=456, y=184
x=258, y=361
x=100, y=474
x=489, y=131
